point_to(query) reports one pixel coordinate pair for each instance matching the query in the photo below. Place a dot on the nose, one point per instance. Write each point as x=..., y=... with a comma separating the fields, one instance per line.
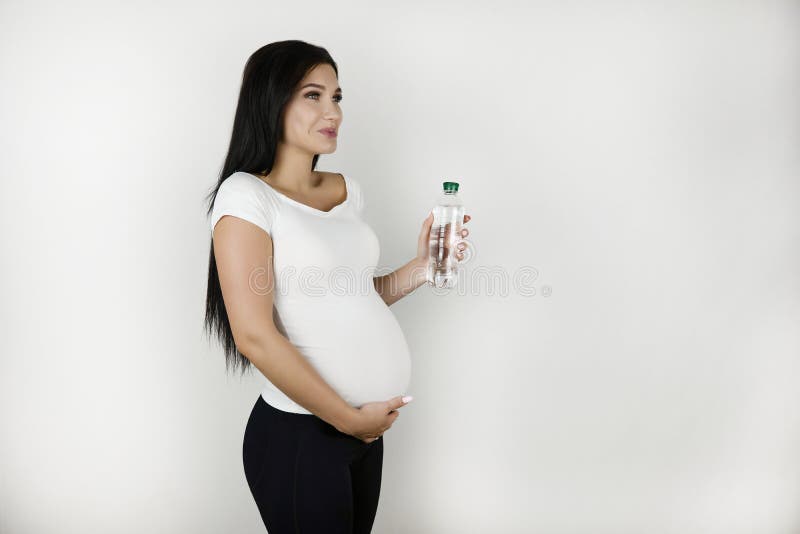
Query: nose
x=333, y=113
x=333, y=119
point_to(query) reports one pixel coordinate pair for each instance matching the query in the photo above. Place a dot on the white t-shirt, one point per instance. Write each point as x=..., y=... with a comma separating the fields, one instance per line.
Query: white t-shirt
x=325, y=302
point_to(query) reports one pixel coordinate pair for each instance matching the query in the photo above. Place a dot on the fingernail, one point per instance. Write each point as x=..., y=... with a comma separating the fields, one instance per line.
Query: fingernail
x=407, y=399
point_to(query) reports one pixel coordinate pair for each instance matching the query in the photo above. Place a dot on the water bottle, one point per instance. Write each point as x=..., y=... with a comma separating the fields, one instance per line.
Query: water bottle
x=448, y=216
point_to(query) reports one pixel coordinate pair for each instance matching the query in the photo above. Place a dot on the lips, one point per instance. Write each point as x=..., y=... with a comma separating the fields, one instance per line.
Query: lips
x=330, y=132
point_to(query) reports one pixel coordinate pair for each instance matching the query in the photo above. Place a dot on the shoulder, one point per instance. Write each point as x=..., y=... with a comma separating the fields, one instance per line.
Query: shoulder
x=243, y=184
x=241, y=181
x=354, y=190
x=334, y=180
x=243, y=195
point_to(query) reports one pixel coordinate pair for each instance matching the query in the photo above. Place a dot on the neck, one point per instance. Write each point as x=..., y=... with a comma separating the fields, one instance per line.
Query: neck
x=292, y=170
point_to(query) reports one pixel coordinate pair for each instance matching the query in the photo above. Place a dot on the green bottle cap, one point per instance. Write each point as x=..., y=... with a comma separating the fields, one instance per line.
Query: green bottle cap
x=450, y=186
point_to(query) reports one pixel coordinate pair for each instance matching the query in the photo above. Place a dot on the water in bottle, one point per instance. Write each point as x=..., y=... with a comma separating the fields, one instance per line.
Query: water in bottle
x=448, y=216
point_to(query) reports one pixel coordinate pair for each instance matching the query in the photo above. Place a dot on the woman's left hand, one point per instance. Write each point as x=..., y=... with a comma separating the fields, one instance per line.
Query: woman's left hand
x=424, y=237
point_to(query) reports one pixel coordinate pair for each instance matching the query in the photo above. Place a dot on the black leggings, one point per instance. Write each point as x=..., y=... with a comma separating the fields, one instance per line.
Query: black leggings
x=307, y=477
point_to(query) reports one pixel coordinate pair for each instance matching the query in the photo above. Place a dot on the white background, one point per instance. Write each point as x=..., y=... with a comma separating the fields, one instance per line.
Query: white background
x=642, y=157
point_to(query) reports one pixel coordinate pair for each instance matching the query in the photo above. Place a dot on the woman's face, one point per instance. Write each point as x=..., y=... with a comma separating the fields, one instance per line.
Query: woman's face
x=314, y=107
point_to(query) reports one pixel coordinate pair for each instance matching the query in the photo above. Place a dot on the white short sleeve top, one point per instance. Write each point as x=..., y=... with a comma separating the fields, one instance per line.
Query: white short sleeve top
x=324, y=299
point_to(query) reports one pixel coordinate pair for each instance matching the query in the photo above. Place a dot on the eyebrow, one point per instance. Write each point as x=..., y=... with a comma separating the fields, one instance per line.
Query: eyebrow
x=338, y=89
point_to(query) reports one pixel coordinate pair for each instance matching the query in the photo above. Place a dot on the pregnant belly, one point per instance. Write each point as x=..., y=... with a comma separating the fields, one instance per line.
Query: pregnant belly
x=356, y=345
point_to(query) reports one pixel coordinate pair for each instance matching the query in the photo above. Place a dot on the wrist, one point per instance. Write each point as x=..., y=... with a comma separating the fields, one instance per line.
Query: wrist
x=419, y=270
x=348, y=419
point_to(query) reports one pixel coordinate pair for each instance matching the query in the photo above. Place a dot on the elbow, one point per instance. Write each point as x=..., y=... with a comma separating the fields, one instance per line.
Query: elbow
x=376, y=283
x=252, y=342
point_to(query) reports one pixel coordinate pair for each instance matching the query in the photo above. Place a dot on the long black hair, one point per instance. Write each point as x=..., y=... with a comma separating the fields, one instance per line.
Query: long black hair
x=270, y=77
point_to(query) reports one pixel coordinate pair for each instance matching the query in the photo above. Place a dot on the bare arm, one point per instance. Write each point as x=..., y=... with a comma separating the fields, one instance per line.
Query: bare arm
x=243, y=254
x=396, y=285
x=280, y=361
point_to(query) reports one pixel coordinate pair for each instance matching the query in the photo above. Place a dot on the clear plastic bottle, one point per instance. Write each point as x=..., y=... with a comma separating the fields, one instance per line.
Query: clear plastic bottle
x=448, y=216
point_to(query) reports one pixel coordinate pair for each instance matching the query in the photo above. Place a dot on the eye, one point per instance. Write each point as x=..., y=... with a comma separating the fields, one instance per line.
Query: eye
x=337, y=98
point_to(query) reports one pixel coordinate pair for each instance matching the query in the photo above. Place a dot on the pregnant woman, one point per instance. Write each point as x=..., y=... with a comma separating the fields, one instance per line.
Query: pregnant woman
x=292, y=290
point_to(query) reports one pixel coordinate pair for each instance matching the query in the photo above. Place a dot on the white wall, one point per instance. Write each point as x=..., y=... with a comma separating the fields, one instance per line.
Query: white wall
x=641, y=157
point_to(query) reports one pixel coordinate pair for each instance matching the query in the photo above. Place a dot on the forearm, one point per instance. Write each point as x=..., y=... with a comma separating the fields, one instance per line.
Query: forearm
x=397, y=284
x=283, y=365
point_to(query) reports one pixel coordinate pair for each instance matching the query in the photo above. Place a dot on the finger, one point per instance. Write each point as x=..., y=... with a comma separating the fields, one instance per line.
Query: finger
x=399, y=401
x=465, y=232
x=466, y=218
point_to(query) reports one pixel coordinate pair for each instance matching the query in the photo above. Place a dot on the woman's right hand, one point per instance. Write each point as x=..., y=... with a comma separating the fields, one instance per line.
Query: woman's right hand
x=375, y=418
